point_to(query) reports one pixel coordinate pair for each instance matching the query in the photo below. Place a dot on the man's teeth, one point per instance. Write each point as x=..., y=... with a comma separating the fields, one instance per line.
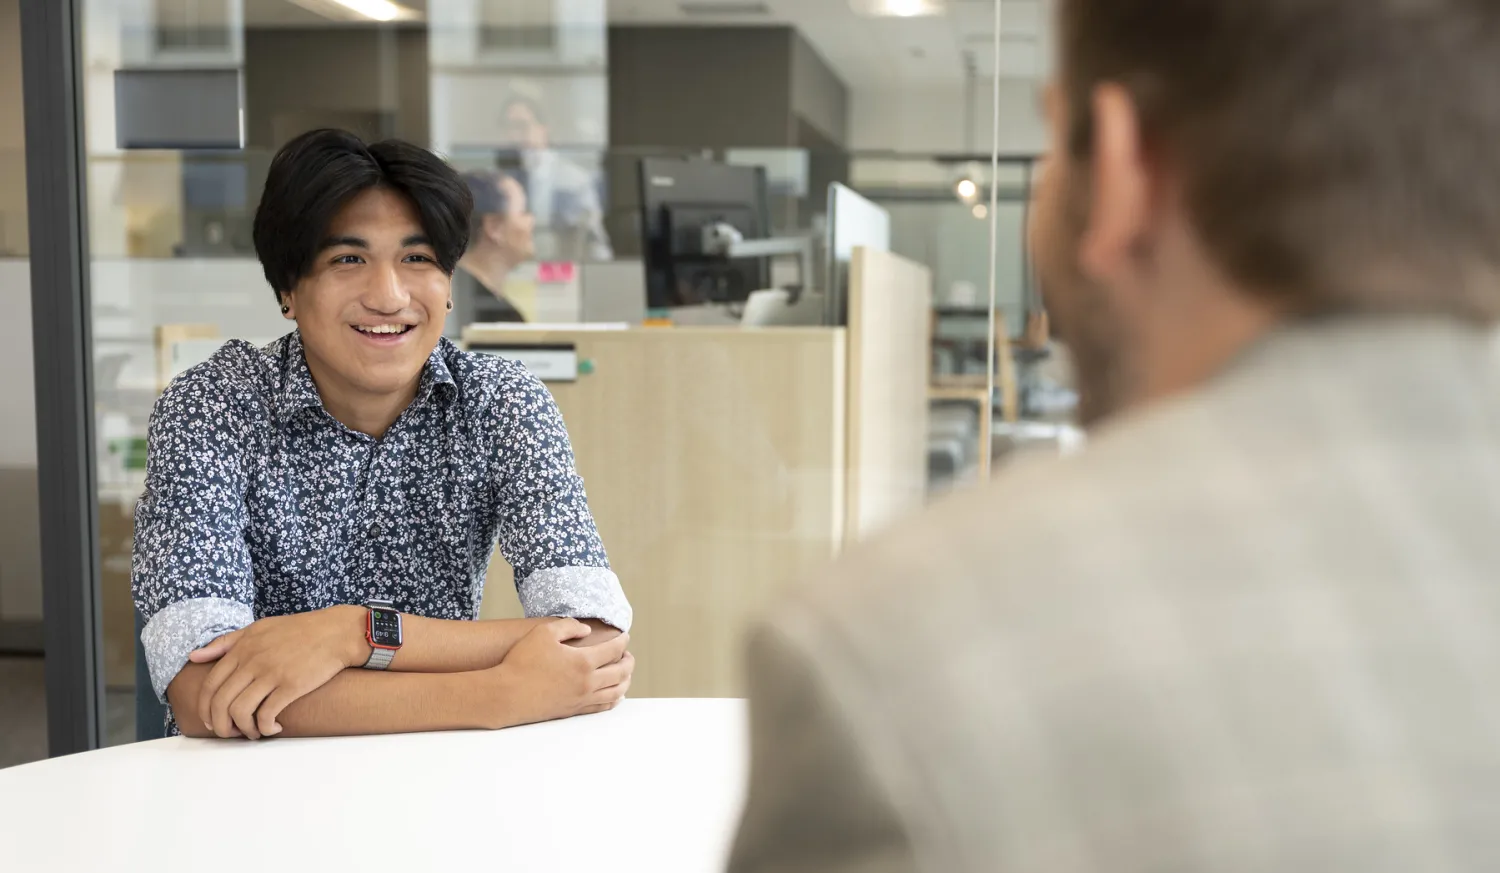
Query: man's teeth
x=383, y=328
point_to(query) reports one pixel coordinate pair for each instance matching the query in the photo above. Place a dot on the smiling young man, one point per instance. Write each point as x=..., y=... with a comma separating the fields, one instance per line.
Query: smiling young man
x=311, y=548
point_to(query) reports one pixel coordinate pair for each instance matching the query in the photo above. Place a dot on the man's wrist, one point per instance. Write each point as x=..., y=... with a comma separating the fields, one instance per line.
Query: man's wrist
x=493, y=693
x=353, y=622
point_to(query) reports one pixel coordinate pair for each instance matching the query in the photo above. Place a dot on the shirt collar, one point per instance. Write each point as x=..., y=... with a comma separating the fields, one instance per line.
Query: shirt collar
x=299, y=392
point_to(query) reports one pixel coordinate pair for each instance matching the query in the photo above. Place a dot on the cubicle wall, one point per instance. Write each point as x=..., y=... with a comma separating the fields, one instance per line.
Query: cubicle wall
x=724, y=464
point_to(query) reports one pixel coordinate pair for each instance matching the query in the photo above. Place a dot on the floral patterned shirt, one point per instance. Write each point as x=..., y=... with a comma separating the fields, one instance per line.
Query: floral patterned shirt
x=258, y=503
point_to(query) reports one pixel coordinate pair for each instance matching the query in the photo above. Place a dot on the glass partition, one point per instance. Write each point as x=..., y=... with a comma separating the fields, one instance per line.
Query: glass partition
x=746, y=395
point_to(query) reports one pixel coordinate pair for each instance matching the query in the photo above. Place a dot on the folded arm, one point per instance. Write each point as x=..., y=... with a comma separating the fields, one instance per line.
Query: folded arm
x=541, y=678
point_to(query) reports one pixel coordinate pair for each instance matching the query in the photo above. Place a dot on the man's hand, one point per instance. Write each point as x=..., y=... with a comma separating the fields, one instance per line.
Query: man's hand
x=599, y=634
x=264, y=667
x=544, y=677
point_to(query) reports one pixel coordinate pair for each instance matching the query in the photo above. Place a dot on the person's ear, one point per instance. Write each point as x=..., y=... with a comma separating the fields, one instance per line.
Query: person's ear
x=288, y=307
x=1121, y=184
x=494, y=226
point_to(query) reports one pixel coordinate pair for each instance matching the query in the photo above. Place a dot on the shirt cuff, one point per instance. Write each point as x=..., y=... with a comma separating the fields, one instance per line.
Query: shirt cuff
x=179, y=628
x=576, y=592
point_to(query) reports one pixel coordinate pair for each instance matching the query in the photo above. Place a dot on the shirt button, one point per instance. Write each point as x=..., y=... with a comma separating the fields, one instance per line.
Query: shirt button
x=373, y=530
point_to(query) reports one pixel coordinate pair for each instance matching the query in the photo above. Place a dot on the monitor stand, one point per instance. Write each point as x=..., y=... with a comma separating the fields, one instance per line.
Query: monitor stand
x=777, y=307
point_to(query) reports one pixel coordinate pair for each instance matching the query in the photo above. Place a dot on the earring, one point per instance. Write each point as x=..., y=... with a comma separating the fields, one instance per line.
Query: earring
x=285, y=310
x=450, y=305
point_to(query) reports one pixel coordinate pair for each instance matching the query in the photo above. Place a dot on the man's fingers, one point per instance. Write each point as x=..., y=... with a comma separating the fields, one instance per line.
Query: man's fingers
x=219, y=719
x=242, y=709
x=608, y=653
x=211, y=684
x=266, y=717
x=613, y=674
x=216, y=649
x=606, y=699
x=614, y=693
x=564, y=629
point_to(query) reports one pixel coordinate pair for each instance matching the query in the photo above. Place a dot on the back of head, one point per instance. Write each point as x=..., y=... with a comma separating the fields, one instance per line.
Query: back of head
x=1335, y=154
x=490, y=197
x=314, y=175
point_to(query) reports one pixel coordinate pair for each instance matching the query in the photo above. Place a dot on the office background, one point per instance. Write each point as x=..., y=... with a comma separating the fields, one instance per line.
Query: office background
x=568, y=96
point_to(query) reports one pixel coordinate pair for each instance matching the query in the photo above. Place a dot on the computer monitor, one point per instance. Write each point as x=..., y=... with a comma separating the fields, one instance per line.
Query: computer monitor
x=679, y=198
x=853, y=222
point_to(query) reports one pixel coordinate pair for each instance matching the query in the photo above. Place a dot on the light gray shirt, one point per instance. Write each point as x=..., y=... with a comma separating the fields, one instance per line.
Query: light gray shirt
x=1255, y=628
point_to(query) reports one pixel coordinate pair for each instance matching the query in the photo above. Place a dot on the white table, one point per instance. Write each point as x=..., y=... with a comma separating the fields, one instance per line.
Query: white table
x=656, y=785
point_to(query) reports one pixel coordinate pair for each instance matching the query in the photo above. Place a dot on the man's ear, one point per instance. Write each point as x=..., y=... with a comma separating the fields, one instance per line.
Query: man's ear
x=1120, y=202
x=288, y=306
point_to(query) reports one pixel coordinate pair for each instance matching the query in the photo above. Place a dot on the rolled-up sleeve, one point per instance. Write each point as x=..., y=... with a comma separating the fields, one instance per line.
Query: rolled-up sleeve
x=191, y=574
x=547, y=532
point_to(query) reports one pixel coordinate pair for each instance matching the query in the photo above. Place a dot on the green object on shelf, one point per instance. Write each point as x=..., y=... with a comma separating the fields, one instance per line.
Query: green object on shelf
x=131, y=451
x=585, y=367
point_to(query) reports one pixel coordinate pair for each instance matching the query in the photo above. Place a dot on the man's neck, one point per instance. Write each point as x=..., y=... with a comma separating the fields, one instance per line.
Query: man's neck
x=360, y=411
x=1194, y=346
x=489, y=265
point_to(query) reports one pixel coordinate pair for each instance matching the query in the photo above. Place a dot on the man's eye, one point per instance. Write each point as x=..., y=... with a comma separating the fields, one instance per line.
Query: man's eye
x=419, y=259
x=348, y=259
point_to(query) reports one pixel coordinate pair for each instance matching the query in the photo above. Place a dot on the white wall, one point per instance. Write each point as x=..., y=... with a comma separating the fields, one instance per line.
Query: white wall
x=927, y=118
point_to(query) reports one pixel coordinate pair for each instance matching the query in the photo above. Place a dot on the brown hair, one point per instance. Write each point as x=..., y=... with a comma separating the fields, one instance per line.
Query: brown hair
x=1335, y=154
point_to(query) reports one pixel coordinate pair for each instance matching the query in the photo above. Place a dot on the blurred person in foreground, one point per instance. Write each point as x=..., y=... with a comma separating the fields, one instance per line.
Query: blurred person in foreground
x=1255, y=626
x=501, y=238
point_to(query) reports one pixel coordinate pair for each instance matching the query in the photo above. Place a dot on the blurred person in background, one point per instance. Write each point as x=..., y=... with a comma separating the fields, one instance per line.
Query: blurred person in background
x=564, y=196
x=1255, y=627
x=501, y=238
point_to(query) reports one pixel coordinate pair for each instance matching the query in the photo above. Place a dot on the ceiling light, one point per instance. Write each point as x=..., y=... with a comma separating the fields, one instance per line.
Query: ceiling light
x=981, y=211
x=376, y=10
x=966, y=188
x=898, y=8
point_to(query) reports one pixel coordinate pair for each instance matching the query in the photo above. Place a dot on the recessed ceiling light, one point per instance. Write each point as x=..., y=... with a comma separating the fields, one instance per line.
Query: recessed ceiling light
x=371, y=10
x=898, y=8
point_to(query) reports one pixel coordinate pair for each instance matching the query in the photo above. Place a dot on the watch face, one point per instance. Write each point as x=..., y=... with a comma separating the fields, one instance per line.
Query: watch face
x=385, y=628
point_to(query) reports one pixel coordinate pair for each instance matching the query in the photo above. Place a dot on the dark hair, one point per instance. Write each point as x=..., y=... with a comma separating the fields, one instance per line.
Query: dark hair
x=314, y=175
x=1335, y=154
x=489, y=197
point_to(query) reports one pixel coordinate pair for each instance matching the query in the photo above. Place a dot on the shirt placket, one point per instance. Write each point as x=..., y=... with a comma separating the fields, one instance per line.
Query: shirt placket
x=370, y=523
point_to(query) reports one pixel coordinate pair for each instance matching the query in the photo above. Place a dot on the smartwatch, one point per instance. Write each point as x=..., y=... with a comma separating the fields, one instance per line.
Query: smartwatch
x=383, y=632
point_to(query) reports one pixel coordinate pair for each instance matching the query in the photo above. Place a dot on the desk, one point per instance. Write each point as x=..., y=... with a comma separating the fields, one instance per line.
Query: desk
x=723, y=464
x=654, y=785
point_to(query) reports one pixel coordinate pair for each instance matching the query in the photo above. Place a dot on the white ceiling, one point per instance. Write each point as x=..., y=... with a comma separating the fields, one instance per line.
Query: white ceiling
x=865, y=51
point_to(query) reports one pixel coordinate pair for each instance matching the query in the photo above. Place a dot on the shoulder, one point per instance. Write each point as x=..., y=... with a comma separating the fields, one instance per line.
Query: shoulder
x=235, y=385
x=494, y=389
x=1050, y=556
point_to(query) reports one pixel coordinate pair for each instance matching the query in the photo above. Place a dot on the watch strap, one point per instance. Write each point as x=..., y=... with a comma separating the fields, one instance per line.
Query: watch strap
x=380, y=659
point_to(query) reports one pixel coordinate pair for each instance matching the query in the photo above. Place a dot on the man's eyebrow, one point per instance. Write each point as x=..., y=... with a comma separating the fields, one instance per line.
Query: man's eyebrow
x=419, y=239
x=336, y=241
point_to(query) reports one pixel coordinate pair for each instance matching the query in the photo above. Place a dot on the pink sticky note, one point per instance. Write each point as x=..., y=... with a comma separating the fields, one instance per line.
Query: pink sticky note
x=555, y=272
